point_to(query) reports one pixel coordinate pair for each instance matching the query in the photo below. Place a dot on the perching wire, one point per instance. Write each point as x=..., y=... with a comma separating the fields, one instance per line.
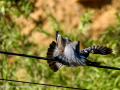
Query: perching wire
x=42, y=84
x=51, y=59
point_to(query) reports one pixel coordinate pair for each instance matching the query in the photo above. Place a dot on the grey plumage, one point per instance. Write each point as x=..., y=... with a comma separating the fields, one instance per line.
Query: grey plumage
x=70, y=58
x=58, y=49
x=66, y=52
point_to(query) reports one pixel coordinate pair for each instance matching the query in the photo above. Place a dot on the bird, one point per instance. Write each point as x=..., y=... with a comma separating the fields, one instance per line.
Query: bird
x=66, y=52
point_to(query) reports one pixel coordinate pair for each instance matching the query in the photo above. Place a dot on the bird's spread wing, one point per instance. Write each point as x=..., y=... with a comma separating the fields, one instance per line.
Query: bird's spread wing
x=70, y=58
x=95, y=50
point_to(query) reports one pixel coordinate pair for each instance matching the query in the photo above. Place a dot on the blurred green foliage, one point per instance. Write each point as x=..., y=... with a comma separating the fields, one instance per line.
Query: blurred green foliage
x=85, y=21
x=28, y=69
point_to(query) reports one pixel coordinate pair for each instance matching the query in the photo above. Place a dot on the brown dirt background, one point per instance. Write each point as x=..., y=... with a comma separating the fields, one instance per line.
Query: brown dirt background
x=68, y=14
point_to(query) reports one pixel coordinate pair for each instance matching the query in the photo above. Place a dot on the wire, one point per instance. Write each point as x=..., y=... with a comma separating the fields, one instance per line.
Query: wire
x=108, y=67
x=24, y=55
x=51, y=59
x=41, y=84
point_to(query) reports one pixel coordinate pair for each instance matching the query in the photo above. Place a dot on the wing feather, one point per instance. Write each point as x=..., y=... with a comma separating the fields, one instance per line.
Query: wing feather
x=95, y=50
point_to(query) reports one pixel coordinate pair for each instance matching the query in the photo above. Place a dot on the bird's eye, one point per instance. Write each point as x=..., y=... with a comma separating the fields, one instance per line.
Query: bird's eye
x=92, y=51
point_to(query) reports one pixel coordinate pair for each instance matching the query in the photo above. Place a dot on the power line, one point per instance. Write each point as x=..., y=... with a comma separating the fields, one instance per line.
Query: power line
x=51, y=59
x=41, y=84
x=107, y=67
x=24, y=55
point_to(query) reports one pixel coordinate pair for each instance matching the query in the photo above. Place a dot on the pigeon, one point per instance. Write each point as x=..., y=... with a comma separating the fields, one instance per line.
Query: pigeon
x=58, y=48
x=66, y=52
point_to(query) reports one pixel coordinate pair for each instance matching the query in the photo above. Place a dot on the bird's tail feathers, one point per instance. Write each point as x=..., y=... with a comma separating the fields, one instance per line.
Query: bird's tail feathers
x=52, y=52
